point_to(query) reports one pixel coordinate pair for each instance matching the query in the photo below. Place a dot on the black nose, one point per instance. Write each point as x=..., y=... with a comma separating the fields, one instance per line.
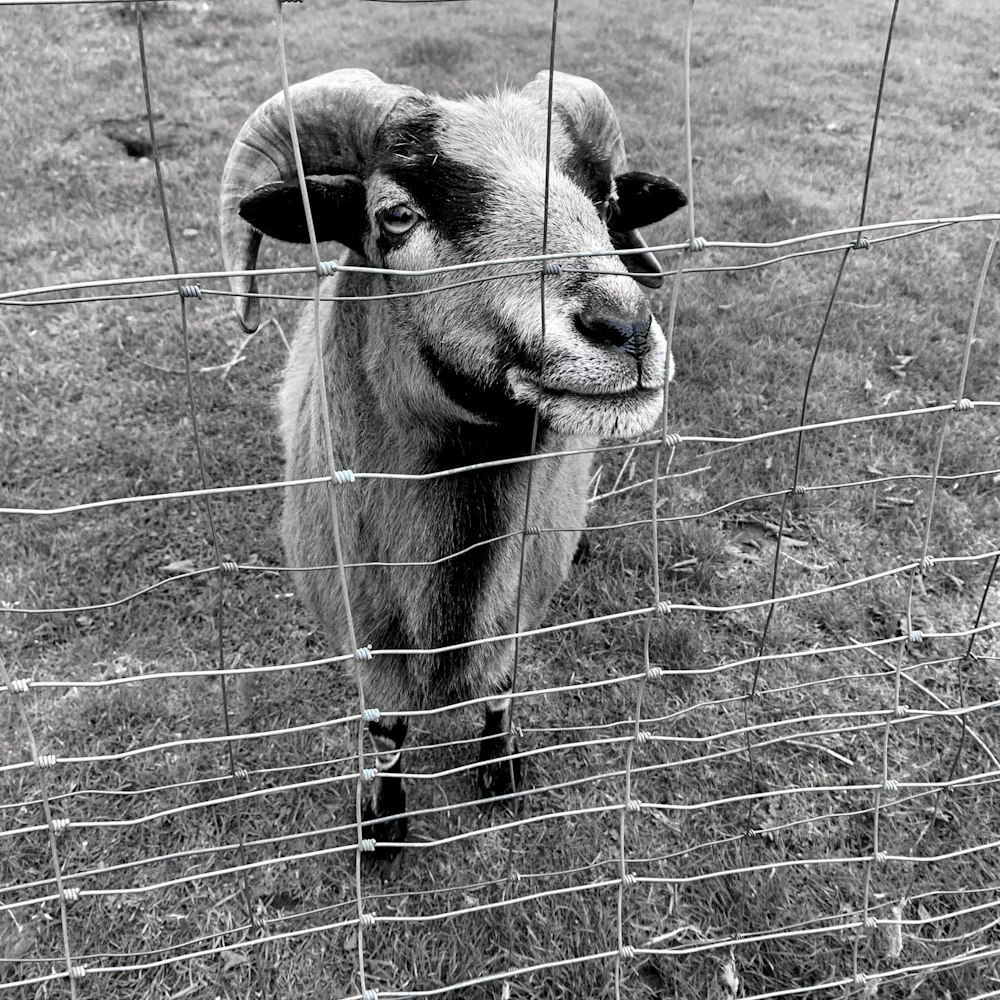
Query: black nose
x=628, y=336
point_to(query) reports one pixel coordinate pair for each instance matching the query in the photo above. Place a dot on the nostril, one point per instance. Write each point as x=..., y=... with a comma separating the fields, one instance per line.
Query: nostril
x=604, y=332
x=627, y=335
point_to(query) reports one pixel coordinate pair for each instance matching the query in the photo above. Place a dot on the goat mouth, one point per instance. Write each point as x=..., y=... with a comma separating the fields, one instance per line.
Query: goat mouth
x=528, y=389
x=625, y=413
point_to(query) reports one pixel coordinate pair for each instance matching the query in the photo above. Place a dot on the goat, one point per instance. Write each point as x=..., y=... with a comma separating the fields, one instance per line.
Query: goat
x=422, y=383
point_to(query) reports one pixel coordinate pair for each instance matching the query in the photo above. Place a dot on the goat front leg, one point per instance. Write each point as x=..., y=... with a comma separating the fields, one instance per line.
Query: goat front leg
x=497, y=777
x=382, y=816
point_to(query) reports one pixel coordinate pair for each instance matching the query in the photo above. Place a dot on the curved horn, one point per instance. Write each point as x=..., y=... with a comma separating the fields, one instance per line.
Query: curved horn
x=337, y=117
x=586, y=105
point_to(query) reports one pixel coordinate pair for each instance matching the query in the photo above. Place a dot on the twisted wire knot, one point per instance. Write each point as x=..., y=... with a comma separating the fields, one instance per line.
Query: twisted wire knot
x=230, y=567
x=902, y=711
x=363, y=653
x=71, y=893
x=343, y=476
x=926, y=564
x=663, y=607
x=671, y=440
x=654, y=673
x=367, y=919
x=630, y=878
x=46, y=760
x=369, y=773
x=190, y=291
x=881, y=857
x=627, y=951
x=861, y=243
x=916, y=636
x=514, y=877
x=798, y=490
x=60, y=825
x=372, y=715
x=697, y=244
x=368, y=994
x=871, y=923
x=20, y=685
x=643, y=736
x=368, y=844
x=325, y=267
x=552, y=268
x=860, y=979
x=891, y=785
x=78, y=972
x=634, y=805
x=241, y=774
x=962, y=405
x=536, y=532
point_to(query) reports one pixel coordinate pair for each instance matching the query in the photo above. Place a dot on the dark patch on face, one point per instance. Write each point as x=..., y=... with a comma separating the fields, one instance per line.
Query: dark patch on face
x=589, y=166
x=485, y=397
x=453, y=195
x=488, y=401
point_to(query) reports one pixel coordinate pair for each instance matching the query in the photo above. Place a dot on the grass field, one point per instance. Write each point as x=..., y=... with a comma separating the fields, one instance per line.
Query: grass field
x=93, y=405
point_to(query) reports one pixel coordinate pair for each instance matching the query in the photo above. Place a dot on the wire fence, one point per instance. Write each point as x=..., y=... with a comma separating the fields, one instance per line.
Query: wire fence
x=686, y=840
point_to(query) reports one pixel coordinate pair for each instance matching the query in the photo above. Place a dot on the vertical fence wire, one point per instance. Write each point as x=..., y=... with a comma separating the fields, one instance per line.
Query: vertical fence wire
x=914, y=635
x=184, y=293
x=796, y=488
x=44, y=762
x=632, y=804
x=511, y=875
x=332, y=505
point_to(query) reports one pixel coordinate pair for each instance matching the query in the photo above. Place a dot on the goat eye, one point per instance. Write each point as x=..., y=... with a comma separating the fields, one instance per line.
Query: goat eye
x=398, y=220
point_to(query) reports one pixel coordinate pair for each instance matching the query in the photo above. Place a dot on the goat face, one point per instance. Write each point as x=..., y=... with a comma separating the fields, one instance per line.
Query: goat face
x=447, y=182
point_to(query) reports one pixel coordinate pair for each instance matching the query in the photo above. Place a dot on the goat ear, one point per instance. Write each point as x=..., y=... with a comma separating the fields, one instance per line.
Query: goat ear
x=337, y=203
x=644, y=199
x=644, y=267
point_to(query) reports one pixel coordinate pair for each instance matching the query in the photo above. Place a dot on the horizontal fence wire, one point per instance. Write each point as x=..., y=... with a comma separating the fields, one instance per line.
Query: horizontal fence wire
x=680, y=806
x=19, y=297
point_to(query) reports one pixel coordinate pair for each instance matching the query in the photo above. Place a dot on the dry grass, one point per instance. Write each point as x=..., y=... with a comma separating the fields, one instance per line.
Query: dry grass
x=91, y=407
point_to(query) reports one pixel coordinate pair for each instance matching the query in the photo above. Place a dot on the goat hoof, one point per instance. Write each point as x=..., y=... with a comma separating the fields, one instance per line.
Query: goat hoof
x=383, y=863
x=385, y=860
x=498, y=777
